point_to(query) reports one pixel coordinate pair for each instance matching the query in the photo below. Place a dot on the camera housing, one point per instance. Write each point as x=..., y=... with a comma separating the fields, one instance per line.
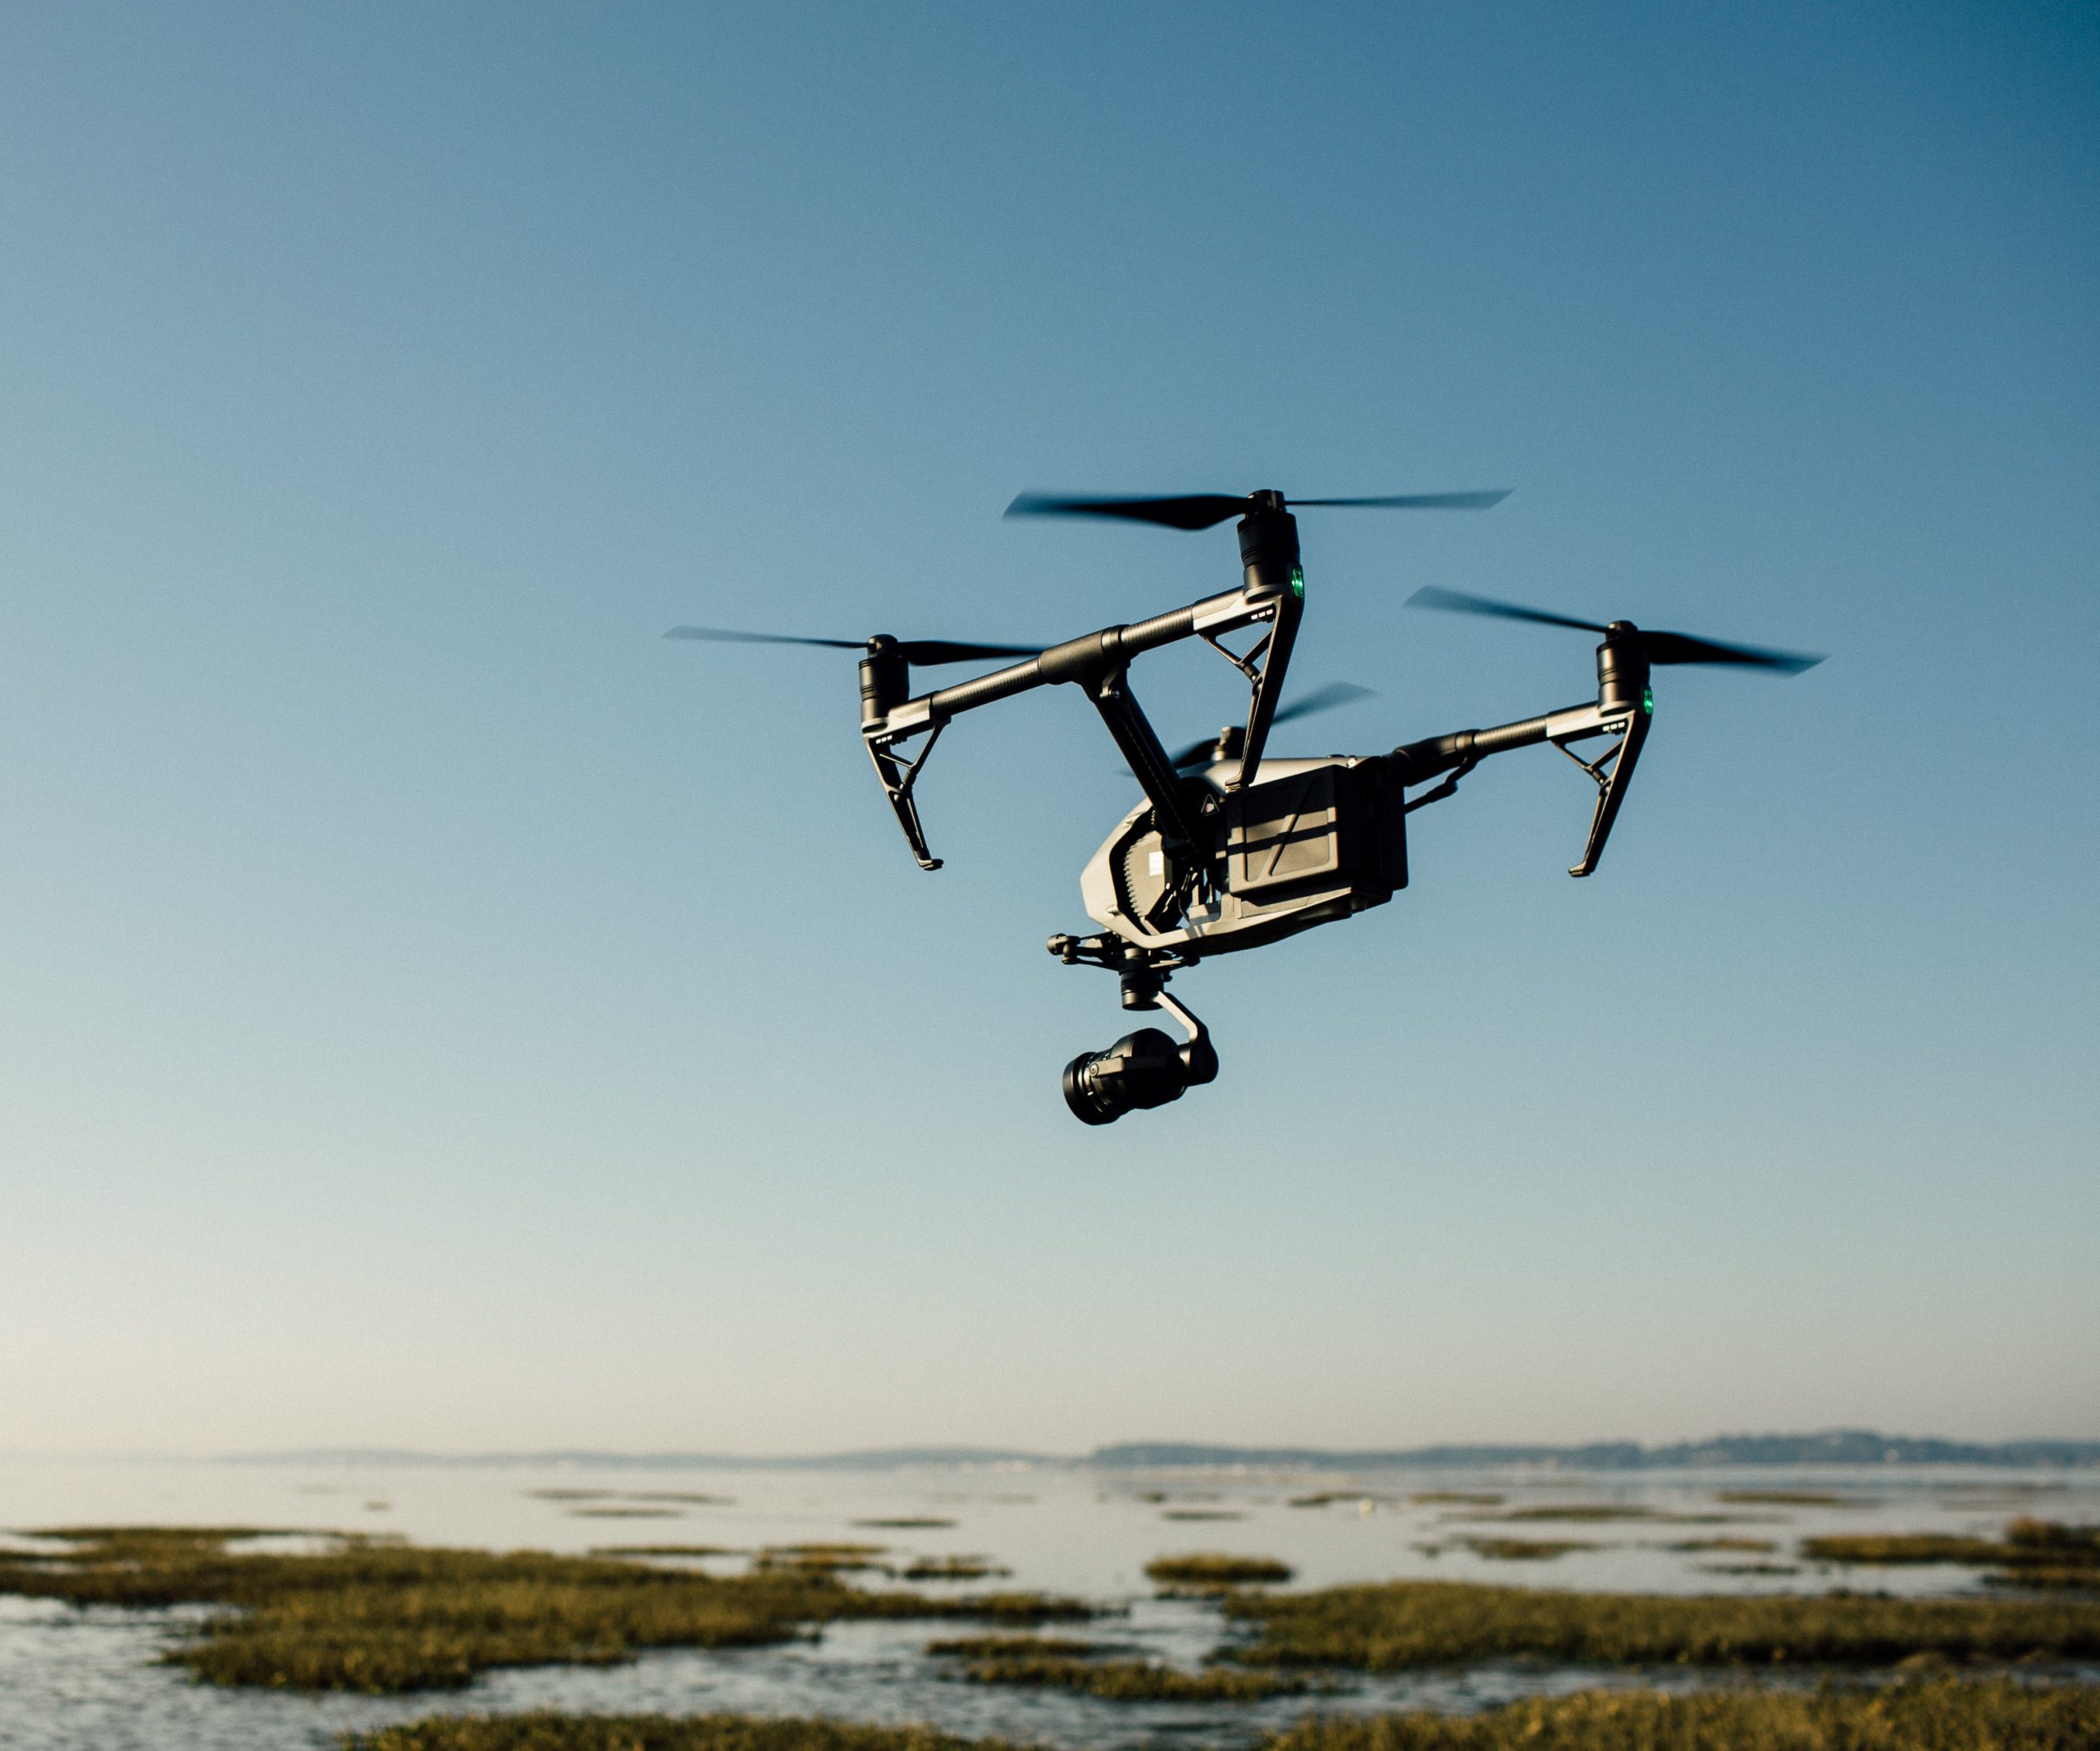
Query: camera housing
x=1144, y=1069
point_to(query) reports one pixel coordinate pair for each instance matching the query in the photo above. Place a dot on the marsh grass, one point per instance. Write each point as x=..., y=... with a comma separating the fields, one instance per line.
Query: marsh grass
x=1206, y=1569
x=547, y=1730
x=1201, y=1513
x=953, y=1569
x=616, y=1512
x=1758, y=1545
x=2046, y=1555
x=1525, y=1550
x=907, y=1522
x=1402, y=1623
x=380, y=1615
x=1787, y=1498
x=1133, y=1681
x=1942, y=1715
x=1015, y=1648
x=1457, y=1498
x=820, y=1559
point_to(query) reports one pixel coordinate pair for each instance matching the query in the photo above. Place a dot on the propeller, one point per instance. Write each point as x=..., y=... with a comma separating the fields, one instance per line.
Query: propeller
x=921, y=652
x=1662, y=647
x=1203, y=511
x=1320, y=699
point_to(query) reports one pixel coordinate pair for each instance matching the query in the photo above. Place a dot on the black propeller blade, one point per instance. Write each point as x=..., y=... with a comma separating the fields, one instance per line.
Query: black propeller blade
x=1203, y=511
x=1320, y=699
x=921, y=652
x=1662, y=647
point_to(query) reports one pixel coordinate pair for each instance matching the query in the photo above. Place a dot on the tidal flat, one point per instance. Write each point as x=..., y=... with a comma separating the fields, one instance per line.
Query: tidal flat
x=458, y=1567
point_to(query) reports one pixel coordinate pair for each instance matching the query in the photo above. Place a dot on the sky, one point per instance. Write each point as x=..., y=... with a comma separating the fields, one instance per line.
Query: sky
x=435, y=1012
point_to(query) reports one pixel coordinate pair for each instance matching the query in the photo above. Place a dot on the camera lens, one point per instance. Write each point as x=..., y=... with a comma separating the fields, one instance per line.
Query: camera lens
x=1143, y=1069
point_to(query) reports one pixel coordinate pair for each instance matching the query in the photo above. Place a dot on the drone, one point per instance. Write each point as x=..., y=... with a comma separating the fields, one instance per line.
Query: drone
x=1231, y=849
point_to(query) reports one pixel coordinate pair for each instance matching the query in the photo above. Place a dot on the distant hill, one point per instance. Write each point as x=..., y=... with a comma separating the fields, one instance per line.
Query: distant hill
x=1836, y=1447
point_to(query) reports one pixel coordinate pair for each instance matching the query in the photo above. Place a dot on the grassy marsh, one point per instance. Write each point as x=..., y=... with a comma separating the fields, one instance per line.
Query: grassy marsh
x=1525, y=1550
x=377, y=1615
x=1052, y=1661
x=953, y=1569
x=1208, y=1569
x=548, y=1730
x=2036, y=1553
x=1945, y=1715
x=1787, y=1498
x=1398, y=1624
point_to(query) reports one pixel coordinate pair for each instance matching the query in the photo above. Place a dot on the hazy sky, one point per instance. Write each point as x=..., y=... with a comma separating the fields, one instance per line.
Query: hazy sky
x=435, y=1011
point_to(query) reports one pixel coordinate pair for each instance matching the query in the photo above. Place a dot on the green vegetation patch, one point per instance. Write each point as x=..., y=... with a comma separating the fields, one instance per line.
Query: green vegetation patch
x=1757, y=1545
x=1054, y=1661
x=952, y=1568
x=374, y=1616
x=1201, y=1513
x=1015, y=1648
x=1525, y=1550
x=1787, y=1498
x=547, y=1730
x=1210, y=1569
x=826, y=1559
x=1457, y=1497
x=906, y=1522
x=1134, y=1680
x=2037, y=1553
x=1901, y=1548
x=1945, y=1715
x=1402, y=1623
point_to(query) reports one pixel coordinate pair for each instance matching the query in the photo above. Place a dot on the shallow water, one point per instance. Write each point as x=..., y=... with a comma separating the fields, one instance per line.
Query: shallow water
x=71, y=1678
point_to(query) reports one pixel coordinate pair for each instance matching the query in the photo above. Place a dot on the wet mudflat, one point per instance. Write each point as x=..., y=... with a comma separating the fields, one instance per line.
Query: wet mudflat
x=802, y=1549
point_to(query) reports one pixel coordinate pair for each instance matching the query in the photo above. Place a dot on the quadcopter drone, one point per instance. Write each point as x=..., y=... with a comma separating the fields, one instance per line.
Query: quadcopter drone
x=1230, y=850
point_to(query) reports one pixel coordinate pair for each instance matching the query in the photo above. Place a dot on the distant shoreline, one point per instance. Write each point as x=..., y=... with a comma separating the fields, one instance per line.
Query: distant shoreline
x=1829, y=1448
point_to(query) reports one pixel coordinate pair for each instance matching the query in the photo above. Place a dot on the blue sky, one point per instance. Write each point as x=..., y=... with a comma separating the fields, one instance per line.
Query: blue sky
x=440, y=1013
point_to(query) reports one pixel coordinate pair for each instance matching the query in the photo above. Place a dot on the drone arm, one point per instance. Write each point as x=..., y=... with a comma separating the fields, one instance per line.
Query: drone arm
x=1460, y=751
x=1095, y=662
x=1417, y=761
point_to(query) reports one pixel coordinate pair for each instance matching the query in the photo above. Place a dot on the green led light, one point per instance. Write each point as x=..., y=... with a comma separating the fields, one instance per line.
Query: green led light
x=1298, y=581
x=1648, y=701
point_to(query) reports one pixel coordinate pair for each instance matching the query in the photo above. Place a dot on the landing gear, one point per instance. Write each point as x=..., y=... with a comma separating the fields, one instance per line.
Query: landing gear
x=1146, y=1068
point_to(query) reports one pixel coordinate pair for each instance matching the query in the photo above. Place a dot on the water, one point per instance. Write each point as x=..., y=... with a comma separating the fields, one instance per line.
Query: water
x=72, y=1678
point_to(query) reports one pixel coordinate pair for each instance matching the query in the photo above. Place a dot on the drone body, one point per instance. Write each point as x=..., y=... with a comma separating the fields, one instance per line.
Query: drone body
x=1229, y=850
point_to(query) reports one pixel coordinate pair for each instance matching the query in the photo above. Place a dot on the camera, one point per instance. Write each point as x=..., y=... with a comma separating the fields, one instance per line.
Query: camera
x=1147, y=1069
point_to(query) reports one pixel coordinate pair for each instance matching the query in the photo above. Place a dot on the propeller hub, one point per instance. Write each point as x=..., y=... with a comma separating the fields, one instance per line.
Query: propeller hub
x=1621, y=669
x=885, y=679
x=1268, y=548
